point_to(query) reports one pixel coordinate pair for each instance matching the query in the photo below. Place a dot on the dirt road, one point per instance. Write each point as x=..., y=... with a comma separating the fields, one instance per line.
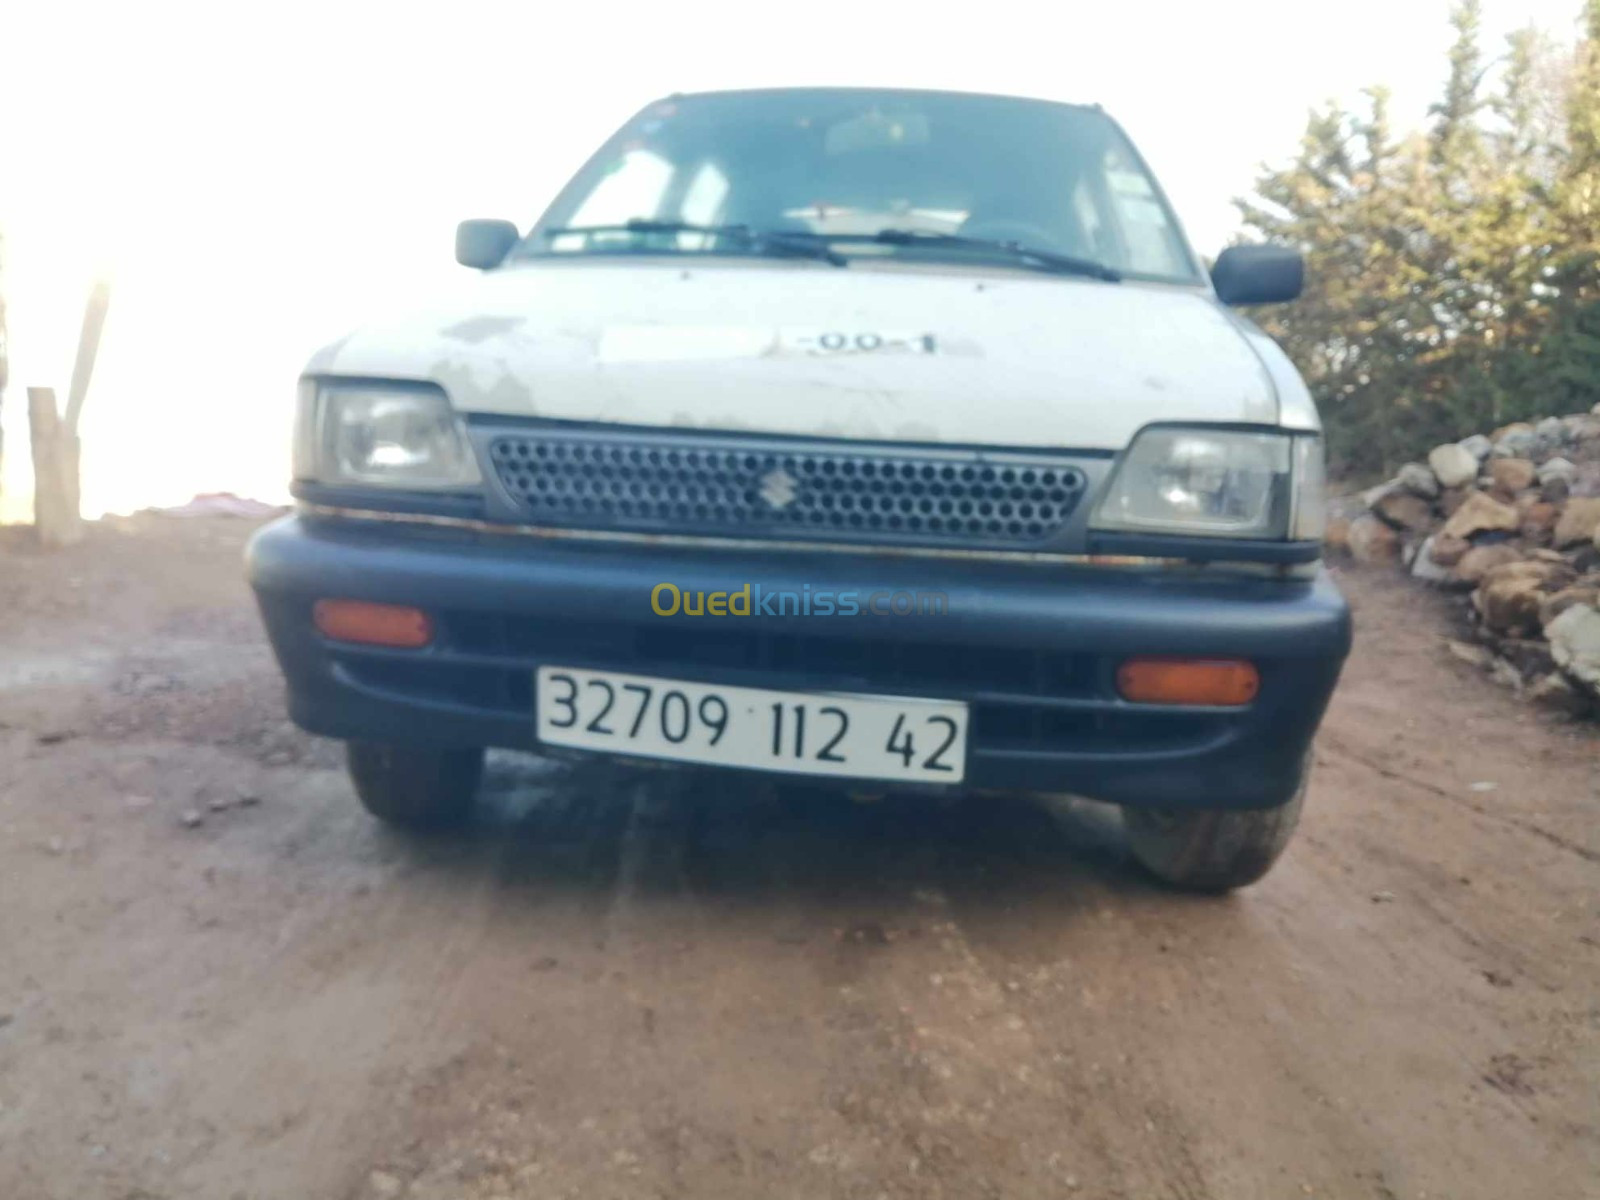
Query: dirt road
x=219, y=979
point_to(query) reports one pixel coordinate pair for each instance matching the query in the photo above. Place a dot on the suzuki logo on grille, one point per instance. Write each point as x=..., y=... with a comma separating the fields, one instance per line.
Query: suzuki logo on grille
x=779, y=488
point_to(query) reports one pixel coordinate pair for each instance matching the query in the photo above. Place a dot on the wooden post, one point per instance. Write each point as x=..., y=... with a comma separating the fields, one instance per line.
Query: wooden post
x=55, y=472
x=56, y=515
x=94, y=320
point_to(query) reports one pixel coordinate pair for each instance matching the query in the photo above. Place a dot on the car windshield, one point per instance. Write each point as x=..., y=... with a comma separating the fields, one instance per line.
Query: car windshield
x=975, y=176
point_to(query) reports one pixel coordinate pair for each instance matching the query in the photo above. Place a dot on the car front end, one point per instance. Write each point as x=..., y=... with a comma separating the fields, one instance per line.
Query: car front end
x=934, y=519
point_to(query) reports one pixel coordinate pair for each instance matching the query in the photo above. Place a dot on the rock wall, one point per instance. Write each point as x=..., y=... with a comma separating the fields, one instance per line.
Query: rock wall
x=1513, y=519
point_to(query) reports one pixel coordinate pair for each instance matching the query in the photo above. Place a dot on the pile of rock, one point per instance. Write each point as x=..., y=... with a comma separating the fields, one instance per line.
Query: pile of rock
x=1514, y=518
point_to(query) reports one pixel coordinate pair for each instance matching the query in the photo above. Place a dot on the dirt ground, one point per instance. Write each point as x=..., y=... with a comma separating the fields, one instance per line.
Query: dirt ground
x=220, y=979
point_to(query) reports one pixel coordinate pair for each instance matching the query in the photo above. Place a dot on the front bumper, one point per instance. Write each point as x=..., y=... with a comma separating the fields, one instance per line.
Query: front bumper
x=1032, y=646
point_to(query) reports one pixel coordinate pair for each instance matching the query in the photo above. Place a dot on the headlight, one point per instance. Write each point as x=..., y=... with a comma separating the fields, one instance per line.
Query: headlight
x=1310, y=490
x=1217, y=483
x=381, y=436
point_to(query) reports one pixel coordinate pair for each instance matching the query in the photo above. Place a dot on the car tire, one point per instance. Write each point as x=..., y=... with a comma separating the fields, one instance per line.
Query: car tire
x=415, y=789
x=1211, y=850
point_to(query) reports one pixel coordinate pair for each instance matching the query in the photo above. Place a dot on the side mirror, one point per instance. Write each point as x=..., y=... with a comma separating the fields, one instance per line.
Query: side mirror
x=1258, y=274
x=485, y=243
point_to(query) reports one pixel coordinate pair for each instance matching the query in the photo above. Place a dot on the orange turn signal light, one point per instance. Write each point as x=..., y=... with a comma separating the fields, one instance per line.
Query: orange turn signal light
x=373, y=624
x=1216, y=682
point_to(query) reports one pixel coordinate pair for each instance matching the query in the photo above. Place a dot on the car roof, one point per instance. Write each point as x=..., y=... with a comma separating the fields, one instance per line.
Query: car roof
x=868, y=89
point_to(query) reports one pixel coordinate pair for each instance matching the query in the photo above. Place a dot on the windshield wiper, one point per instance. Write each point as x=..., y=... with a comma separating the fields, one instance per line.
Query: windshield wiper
x=1049, y=260
x=1043, y=260
x=774, y=241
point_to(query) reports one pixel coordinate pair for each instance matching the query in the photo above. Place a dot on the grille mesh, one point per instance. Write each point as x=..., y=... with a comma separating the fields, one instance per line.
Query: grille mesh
x=743, y=487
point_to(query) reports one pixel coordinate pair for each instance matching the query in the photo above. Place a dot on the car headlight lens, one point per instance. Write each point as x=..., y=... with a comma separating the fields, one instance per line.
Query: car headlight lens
x=1216, y=483
x=1310, y=491
x=382, y=436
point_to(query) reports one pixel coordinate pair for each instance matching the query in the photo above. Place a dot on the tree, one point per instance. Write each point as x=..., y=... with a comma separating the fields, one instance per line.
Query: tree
x=1564, y=363
x=1456, y=137
x=1452, y=275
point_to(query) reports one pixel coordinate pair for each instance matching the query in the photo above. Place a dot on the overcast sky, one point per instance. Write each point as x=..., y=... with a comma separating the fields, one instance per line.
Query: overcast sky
x=257, y=184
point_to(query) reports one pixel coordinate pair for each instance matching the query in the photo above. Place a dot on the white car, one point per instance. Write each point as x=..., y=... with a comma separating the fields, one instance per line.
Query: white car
x=893, y=437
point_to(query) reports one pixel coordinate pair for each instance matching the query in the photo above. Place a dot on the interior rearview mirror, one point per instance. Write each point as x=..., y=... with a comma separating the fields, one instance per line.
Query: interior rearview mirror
x=485, y=242
x=1258, y=274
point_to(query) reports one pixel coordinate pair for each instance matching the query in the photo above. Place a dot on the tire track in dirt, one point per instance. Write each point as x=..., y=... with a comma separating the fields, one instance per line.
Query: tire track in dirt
x=1331, y=743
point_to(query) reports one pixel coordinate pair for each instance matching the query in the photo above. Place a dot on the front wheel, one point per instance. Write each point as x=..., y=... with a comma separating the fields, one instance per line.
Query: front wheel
x=1212, y=850
x=415, y=789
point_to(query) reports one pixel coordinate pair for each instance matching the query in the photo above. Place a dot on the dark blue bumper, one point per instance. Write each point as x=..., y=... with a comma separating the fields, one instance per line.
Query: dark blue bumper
x=1033, y=647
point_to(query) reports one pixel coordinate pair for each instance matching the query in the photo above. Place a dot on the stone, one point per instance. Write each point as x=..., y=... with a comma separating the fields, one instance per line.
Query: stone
x=1550, y=572
x=1373, y=494
x=1512, y=475
x=1452, y=465
x=1549, y=556
x=1480, y=560
x=1587, y=480
x=1447, y=550
x=1556, y=691
x=1477, y=445
x=1582, y=427
x=1403, y=509
x=1557, y=602
x=1529, y=655
x=1539, y=520
x=1519, y=443
x=1504, y=673
x=1552, y=431
x=1467, y=652
x=1580, y=521
x=1510, y=595
x=1556, y=469
x=1505, y=431
x=191, y=818
x=1372, y=542
x=1425, y=567
x=384, y=1184
x=1451, y=499
x=1481, y=513
x=1575, y=645
x=1419, y=480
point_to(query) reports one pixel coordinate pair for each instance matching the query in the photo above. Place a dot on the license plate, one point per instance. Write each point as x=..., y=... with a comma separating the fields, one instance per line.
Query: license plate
x=802, y=733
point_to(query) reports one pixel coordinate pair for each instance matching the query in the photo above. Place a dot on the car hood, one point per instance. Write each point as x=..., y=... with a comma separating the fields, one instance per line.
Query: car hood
x=873, y=351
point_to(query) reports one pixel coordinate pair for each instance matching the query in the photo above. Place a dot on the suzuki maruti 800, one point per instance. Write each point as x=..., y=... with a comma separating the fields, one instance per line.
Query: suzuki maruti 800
x=893, y=437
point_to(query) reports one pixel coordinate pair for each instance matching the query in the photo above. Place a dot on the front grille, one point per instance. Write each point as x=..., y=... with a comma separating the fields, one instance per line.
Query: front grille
x=738, y=486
